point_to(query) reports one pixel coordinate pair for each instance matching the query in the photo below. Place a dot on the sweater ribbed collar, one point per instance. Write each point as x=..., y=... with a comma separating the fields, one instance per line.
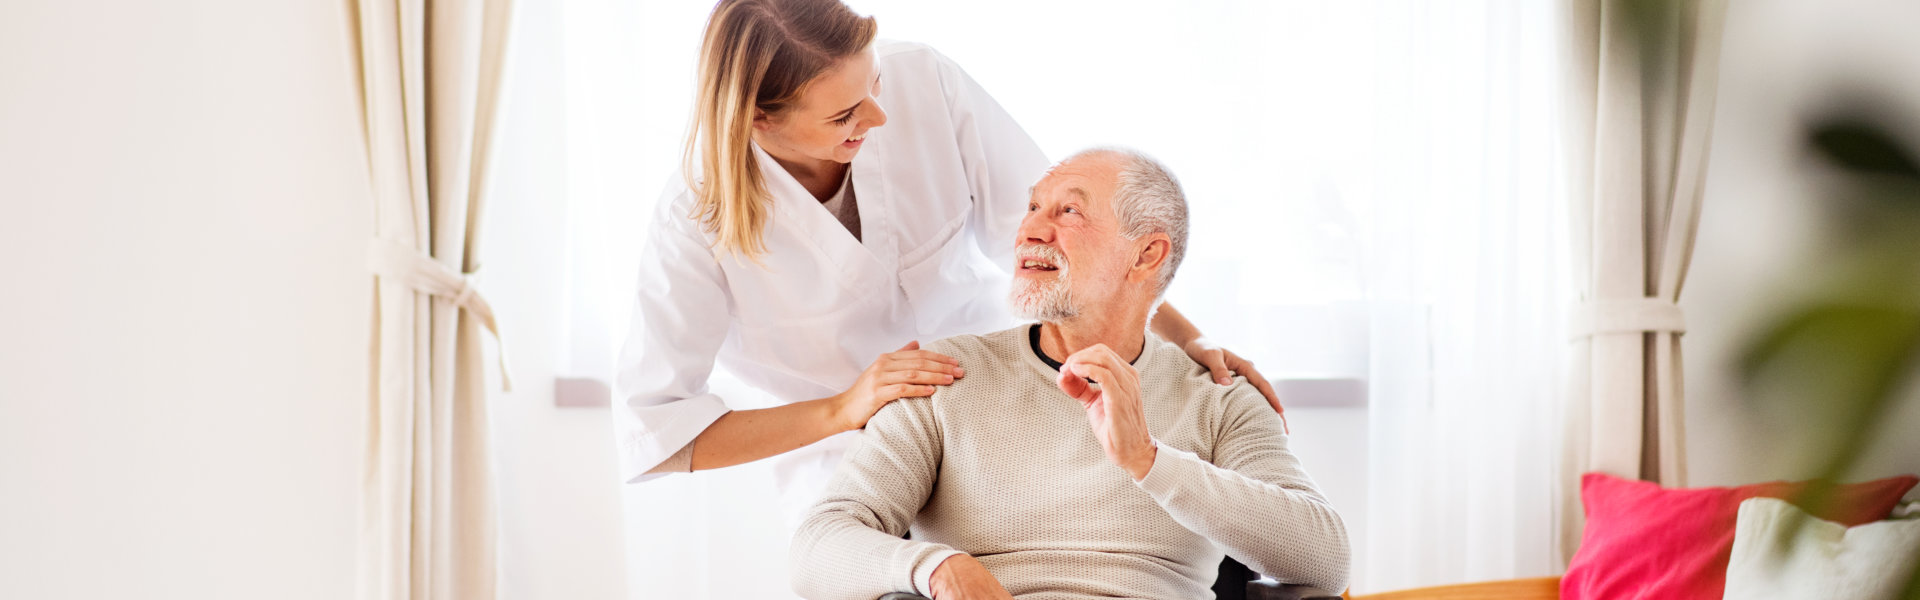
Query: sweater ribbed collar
x=1147, y=342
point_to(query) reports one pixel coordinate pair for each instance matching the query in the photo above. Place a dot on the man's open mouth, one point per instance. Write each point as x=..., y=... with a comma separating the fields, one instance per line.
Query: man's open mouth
x=1037, y=264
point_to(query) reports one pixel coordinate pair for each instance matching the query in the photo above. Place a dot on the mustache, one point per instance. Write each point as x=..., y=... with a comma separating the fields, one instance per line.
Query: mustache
x=1042, y=252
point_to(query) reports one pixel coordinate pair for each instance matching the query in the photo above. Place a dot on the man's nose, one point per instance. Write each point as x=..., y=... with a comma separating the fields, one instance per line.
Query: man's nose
x=1035, y=229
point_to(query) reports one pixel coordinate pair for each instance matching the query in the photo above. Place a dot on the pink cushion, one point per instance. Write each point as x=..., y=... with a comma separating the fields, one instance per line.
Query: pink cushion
x=1646, y=542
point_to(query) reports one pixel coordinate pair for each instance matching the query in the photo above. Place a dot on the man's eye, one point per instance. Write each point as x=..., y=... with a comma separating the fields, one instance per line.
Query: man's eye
x=1073, y=210
x=1033, y=207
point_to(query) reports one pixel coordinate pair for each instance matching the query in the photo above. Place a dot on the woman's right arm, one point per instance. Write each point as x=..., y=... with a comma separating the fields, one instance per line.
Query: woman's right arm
x=744, y=436
x=679, y=320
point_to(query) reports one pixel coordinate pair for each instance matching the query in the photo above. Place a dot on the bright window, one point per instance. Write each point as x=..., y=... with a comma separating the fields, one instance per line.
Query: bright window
x=1344, y=161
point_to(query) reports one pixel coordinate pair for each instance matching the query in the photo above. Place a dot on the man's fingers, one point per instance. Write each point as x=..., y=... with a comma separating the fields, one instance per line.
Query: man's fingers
x=1075, y=386
x=1101, y=356
x=1093, y=371
x=1098, y=353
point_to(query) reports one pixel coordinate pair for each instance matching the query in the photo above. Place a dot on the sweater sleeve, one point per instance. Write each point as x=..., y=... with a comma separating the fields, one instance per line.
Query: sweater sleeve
x=1255, y=500
x=849, y=545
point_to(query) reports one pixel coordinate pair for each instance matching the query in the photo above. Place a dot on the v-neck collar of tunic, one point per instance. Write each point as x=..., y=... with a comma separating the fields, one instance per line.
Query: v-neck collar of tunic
x=862, y=268
x=844, y=205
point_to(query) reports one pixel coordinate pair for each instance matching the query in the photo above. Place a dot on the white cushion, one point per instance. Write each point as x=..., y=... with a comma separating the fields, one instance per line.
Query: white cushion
x=1910, y=508
x=1823, y=559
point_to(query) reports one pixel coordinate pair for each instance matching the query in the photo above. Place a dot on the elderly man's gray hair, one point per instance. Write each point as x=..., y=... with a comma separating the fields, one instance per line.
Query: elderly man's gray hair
x=1147, y=200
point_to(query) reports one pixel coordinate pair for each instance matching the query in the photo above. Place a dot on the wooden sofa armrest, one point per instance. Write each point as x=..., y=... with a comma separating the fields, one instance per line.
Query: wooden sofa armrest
x=1535, y=588
x=1263, y=589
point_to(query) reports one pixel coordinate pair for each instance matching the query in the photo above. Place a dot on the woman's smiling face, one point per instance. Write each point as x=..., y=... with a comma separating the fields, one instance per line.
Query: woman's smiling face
x=831, y=119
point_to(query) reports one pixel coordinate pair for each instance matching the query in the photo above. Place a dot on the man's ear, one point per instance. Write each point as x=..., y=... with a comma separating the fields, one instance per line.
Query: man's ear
x=1152, y=256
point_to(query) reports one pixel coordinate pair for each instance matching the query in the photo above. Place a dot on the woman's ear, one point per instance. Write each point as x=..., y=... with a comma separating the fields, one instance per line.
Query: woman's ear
x=762, y=122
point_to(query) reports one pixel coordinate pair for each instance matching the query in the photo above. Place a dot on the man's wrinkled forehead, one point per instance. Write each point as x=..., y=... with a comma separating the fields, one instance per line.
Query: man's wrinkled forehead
x=1083, y=179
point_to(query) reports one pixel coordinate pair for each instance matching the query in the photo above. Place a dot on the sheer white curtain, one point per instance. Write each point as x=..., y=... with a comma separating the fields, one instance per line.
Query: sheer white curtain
x=1463, y=238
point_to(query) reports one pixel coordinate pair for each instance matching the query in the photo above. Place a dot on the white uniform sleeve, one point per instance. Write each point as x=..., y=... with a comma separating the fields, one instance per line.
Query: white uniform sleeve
x=1257, y=503
x=1001, y=161
x=679, y=320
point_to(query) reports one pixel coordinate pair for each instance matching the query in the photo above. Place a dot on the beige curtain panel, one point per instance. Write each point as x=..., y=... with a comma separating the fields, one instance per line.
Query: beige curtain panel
x=1642, y=75
x=430, y=75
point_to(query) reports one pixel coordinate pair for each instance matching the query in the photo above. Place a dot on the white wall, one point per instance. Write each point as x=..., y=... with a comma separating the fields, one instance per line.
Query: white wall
x=184, y=321
x=1783, y=61
x=183, y=302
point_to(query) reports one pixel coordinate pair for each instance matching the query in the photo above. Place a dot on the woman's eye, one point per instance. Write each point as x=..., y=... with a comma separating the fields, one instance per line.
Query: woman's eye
x=844, y=120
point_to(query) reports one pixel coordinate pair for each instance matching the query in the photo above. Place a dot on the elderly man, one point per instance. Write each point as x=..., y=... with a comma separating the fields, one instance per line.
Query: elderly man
x=1082, y=457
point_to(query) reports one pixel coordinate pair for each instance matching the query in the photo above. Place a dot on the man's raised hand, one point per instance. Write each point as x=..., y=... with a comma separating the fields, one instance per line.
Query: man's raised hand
x=1109, y=389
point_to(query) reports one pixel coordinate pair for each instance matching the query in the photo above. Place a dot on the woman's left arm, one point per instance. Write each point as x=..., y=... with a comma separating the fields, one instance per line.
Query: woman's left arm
x=1174, y=327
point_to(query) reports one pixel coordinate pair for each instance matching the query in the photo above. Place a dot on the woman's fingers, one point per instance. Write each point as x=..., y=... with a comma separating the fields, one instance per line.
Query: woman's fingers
x=917, y=376
x=1260, y=383
x=1214, y=358
x=912, y=351
x=922, y=364
x=1273, y=399
x=897, y=391
x=1245, y=367
x=1216, y=362
x=923, y=355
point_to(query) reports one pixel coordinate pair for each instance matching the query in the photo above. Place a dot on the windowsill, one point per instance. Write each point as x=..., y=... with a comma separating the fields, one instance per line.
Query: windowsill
x=1295, y=392
x=581, y=392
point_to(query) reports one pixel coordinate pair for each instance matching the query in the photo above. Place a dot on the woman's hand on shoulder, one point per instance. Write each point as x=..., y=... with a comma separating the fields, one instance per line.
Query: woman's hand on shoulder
x=1224, y=364
x=905, y=373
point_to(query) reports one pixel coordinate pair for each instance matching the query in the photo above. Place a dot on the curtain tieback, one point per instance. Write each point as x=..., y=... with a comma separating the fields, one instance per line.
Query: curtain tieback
x=1628, y=315
x=413, y=268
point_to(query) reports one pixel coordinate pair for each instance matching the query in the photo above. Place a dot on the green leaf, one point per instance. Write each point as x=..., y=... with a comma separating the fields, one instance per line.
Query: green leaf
x=1863, y=148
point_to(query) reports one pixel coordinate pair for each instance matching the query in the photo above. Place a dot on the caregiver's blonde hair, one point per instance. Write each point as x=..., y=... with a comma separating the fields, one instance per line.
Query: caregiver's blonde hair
x=756, y=54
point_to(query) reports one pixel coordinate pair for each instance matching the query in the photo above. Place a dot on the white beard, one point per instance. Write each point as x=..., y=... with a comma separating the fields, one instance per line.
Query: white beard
x=1038, y=301
x=1047, y=302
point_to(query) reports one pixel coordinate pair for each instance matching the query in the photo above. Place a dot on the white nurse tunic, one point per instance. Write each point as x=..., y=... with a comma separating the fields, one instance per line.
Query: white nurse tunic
x=940, y=189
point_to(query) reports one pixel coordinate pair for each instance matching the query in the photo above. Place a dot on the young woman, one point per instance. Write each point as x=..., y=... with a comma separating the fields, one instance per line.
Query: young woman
x=807, y=248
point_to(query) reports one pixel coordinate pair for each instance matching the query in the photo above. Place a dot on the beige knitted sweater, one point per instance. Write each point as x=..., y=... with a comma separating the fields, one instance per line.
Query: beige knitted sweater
x=1003, y=465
